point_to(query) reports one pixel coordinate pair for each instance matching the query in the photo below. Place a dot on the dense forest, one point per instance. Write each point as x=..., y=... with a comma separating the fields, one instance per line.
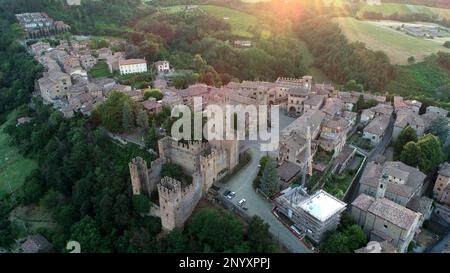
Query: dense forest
x=83, y=180
x=17, y=70
x=343, y=61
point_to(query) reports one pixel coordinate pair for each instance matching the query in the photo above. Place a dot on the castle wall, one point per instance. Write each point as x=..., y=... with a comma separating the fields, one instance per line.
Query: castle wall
x=176, y=202
x=184, y=155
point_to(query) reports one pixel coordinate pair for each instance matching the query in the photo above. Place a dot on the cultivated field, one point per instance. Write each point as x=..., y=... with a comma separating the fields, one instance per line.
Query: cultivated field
x=397, y=45
x=13, y=167
x=240, y=22
x=401, y=9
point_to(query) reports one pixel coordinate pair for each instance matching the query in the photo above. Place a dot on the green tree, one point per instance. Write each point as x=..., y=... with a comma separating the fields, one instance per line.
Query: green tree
x=127, y=117
x=270, y=180
x=153, y=93
x=151, y=138
x=141, y=203
x=439, y=127
x=218, y=231
x=259, y=238
x=426, y=153
x=110, y=112
x=86, y=233
x=172, y=170
x=431, y=154
x=447, y=44
x=410, y=154
x=352, y=85
x=346, y=241
x=142, y=122
x=32, y=190
x=335, y=243
x=355, y=237
x=406, y=135
x=411, y=60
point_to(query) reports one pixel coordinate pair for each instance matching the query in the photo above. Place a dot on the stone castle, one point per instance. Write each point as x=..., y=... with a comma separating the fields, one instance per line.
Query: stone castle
x=176, y=202
x=206, y=162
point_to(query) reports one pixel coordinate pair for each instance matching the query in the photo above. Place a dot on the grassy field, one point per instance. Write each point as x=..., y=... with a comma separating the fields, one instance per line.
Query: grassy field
x=13, y=167
x=389, y=9
x=31, y=218
x=397, y=45
x=240, y=22
x=100, y=70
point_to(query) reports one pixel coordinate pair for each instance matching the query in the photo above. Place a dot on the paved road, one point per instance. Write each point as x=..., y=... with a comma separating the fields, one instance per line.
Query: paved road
x=441, y=245
x=241, y=183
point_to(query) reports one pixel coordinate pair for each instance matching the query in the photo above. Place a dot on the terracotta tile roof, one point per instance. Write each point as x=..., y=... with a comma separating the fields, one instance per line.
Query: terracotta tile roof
x=132, y=61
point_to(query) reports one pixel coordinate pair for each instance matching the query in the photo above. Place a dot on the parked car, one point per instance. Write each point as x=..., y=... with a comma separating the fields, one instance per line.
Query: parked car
x=231, y=195
x=225, y=193
x=242, y=202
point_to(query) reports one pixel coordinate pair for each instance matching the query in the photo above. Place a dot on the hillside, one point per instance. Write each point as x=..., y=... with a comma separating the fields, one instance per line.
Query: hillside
x=240, y=22
x=389, y=9
x=429, y=3
x=397, y=45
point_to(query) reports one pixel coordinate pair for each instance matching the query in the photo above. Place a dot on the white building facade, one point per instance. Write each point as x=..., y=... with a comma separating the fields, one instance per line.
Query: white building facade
x=132, y=66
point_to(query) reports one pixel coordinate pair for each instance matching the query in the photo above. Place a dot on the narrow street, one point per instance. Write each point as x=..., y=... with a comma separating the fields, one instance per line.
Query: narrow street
x=242, y=184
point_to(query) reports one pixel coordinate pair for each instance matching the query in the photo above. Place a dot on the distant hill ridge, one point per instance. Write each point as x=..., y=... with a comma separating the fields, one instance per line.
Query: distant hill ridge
x=430, y=3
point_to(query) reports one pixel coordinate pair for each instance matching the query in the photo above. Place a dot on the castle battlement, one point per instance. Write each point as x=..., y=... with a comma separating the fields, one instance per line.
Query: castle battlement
x=191, y=145
x=301, y=81
x=209, y=156
x=169, y=188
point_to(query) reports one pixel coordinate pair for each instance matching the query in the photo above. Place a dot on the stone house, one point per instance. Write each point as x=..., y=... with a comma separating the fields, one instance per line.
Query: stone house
x=408, y=118
x=384, y=220
x=350, y=117
x=132, y=66
x=39, y=48
x=441, y=190
x=162, y=66
x=104, y=53
x=54, y=85
x=366, y=116
x=87, y=61
x=333, y=134
x=112, y=61
x=375, y=130
x=287, y=172
x=152, y=107
x=403, y=182
x=433, y=109
x=333, y=107
x=314, y=102
x=35, y=244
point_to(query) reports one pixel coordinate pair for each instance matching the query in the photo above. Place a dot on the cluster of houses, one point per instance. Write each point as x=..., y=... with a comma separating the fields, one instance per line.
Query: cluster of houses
x=67, y=85
x=39, y=25
x=65, y=82
x=391, y=205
